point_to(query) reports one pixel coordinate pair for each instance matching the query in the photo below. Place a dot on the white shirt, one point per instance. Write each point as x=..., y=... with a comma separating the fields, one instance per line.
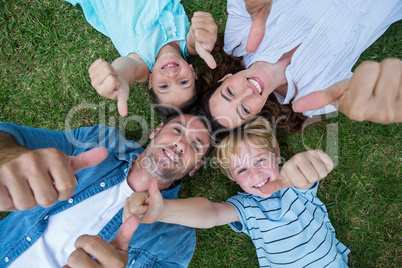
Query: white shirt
x=331, y=34
x=87, y=217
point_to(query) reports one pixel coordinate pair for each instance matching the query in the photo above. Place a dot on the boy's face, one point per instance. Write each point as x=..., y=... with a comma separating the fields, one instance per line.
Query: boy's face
x=173, y=80
x=253, y=168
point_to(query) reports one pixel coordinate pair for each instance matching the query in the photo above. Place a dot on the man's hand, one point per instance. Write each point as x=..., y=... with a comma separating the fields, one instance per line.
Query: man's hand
x=41, y=177
x=259, y=11
x=113, y=254
x=148, y=206
x=301, y=171
x=108, y=83
x=203, y=34
x=374, y=93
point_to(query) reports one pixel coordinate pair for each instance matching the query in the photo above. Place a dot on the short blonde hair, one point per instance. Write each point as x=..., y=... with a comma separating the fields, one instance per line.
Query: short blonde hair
x=257, y=133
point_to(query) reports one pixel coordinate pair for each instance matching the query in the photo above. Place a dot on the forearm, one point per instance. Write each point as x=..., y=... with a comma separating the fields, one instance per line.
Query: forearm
x=192, y=212
x=131, y=68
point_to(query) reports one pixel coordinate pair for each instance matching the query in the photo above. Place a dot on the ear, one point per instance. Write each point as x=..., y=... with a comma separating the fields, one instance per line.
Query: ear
x=192, y=69
x=150, y=81
x=225, y=77
x=199, y=164
x=157, y=129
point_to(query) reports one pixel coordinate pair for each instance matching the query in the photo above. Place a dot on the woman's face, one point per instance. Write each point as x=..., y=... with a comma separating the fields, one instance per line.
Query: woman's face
x=173, y=80
x=240, y=97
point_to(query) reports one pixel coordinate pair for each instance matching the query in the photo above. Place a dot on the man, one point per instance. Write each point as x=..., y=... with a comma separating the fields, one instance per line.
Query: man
x=37, y=166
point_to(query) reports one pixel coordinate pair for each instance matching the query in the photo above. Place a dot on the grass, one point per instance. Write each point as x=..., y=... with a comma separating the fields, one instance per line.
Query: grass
x=46, y=48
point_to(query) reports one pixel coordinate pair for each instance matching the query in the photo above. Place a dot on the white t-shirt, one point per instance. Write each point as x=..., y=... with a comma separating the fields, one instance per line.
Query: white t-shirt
x=87, y=217
x=331, y=35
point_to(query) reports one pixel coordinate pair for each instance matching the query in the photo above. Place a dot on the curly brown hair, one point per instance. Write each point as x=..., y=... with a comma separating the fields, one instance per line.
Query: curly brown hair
x=282, y=116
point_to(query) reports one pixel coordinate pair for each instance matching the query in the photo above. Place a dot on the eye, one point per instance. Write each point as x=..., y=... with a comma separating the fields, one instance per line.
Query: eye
x=183, y=82
x=163, y=86
x=177, y=130
x=245, y=109
x=195, y=147
x=241, y=170
x=230, y=92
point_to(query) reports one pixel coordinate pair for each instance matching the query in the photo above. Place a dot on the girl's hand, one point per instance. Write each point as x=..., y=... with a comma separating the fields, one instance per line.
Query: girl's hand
x=108, y=83
x=301, y=171
x=373, y=93
x=148, y=206
x=203, y=34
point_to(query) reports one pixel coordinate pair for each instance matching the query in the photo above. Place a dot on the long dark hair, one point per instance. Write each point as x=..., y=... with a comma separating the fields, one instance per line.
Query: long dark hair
x=281, y=116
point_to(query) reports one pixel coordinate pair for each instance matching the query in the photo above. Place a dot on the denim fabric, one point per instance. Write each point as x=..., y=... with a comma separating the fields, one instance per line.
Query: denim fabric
x=153, y=245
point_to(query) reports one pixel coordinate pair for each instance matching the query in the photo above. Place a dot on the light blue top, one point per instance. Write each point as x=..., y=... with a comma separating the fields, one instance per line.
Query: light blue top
x=291, y=228
x=332, y=34
x=138, y=26
x=153, y=245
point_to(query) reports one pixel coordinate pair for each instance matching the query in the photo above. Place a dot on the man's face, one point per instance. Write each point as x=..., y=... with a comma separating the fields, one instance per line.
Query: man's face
x=177, y=148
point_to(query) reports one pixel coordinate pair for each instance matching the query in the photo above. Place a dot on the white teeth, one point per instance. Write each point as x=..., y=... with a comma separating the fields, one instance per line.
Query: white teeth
x=170, y=156
x=261, y=184
x=256, y=84
x=170, y=65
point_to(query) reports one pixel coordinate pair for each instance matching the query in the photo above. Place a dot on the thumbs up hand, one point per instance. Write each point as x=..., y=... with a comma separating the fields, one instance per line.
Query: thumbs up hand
x=301, y=171
x=41, y=177
x=373, y=93
x=113, y=254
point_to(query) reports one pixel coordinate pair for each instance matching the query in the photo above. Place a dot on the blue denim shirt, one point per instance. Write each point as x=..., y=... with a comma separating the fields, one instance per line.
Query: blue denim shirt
x=153, y=245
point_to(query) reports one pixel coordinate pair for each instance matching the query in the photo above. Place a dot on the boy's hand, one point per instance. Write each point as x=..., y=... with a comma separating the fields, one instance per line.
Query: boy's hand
x=373, y=93
x=108, y=83
x=113, y=254
x=148, y=206
x=203, y=31
x=259, y=11
x=41, y=177
x=301, y=171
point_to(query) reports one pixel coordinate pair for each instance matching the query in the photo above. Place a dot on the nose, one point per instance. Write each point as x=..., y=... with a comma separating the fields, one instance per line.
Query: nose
x=172, y=73
x=255, y=173
x=180, y=145
x=247, y=90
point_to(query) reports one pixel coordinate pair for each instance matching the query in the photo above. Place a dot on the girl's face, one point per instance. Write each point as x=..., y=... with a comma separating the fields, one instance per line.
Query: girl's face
x=253, y=168
x=240, y=97
x=173, y=80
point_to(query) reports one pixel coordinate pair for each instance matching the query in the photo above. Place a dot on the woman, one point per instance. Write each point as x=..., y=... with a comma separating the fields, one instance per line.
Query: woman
x=307, y=47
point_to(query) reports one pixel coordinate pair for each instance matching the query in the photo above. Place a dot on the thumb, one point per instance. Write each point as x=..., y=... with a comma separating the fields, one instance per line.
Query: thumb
x=88, y=159
x=320, y=99
x=274, y=186
x=155, y=203
x=257, y=30
x=122, y=99
x=205, y=55
x=126, y=232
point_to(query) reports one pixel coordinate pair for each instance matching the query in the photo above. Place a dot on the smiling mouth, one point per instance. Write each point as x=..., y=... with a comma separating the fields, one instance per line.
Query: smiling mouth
x=170, y=65
x=262, y=183
x=170, y=156
x=256, y=85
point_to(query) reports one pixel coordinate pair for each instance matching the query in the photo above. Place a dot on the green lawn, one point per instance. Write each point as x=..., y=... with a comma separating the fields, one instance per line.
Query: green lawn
x=46, y=48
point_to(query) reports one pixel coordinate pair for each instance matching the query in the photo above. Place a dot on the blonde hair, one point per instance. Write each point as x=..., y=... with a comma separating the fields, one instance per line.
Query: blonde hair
x=257, y=133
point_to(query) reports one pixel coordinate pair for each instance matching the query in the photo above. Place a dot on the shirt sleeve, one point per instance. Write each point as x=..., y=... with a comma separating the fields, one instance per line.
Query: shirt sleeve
x=71, y=142
x=239, y=227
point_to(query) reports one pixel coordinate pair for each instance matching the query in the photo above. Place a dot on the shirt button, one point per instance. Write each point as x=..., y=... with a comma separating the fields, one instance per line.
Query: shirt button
x=133, y=261
x=45, y=218
x=169, y=28
x=29, y=239
x=125, y=170
x=6, y=259
x=70, y=200
x=102, y=184
x=170, y=36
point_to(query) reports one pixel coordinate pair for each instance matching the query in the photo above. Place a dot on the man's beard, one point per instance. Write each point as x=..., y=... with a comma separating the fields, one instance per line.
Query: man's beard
x=163, y=168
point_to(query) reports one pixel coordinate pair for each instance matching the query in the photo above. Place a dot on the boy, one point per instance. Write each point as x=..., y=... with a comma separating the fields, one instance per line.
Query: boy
x=280, y=211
